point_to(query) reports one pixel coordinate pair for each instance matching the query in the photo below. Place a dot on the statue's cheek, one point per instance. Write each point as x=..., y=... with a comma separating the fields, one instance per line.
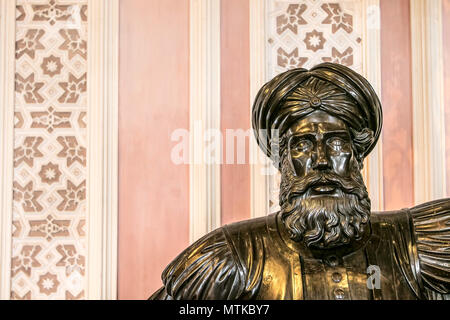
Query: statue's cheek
x=342, y=163
x=302, y=164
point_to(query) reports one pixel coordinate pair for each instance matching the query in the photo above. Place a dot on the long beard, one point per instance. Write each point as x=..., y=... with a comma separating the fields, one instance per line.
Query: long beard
x=323, y=222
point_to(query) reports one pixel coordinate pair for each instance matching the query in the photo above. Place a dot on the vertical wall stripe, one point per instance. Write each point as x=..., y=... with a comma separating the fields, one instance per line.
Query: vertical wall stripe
x=102, y=156
x=428, y=100
x=204, y=115
x=153, y=105
x=446, y=46
x=373, y=171
x=259, y=163
x=235, y=92
x=397, y=104
x=7, y=66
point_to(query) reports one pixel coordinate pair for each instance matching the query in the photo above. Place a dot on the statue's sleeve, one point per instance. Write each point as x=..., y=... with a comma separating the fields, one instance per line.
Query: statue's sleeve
x=431, y=223
x=208, y=269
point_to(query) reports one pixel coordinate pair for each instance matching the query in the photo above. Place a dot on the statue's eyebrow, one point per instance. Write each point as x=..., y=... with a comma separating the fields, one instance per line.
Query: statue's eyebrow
x=339, y=132
x=342, y=133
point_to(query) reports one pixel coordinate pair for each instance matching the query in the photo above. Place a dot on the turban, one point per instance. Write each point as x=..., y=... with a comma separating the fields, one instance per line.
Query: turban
x=329, y=87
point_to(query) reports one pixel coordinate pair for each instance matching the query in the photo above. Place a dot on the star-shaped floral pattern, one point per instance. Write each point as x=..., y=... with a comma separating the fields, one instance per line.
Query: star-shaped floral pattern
x=72, y=151
x=72, y=89
x=73, y=43
x=48, y=283
x=30, y=43
x=26, y=259
x=50, y=119
x=50, y=173
x=27, y=197
x=72, y=196
x=290, y=60
x=337, y=18
x=345, y=58
x=292, y=19
x=29, y=89
x=49, y=228
x=51, y=12
x=314, y=40
x=28, y=151
x=51, y=65
x=70, y=259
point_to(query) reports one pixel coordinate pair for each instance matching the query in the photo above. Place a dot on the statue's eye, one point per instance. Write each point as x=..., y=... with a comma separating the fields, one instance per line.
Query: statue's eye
x=302, y=145
x=336, y=143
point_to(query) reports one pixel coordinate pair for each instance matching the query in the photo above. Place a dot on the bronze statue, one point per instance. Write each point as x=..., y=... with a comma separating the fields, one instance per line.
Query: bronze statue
x=324, y=243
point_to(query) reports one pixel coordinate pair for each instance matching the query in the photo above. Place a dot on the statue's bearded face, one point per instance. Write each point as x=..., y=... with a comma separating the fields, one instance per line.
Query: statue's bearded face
x=323, y=199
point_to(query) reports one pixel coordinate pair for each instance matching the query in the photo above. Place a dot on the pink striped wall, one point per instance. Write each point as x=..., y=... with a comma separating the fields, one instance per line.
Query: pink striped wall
x=154, y=101
x=396, y=96
x=446, y=45
x=235, y=112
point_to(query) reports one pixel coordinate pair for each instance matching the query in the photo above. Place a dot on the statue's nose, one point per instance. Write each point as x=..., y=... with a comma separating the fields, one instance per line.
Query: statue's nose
x=320, y=161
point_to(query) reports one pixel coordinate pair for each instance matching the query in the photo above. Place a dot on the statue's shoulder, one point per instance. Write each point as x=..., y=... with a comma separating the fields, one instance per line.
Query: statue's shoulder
x=420, y=237
x=431, y=228
x=194, y=274
x=256, y=227
x=220, y=264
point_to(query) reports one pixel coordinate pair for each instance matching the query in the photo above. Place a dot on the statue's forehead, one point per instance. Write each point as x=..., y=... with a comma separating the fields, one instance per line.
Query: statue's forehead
x=317, y=122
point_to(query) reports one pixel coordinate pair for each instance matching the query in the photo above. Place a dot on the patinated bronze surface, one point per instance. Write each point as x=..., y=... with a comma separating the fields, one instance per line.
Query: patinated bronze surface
x=317, y=126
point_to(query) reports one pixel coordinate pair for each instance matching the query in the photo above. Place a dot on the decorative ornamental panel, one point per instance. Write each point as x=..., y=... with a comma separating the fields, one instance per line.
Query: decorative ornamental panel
x=49, y=209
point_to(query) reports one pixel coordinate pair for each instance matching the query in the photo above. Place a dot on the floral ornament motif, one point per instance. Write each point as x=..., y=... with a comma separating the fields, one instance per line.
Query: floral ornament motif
x=27, y=197
x=18, y=120
x=72, y=89
x=72, y=150
x=72, y=196
x=70, y=296
x=50, y=173
x=337, y=18
x=28, y=151
x=29, y=89
x=82, y=120
x=83, y=13
x=30, y=43
x=51, y=65
x=49, y=228
x=318, y=94
x=17, y=228
x=20, y=13
x=307, y=98
x=290, y=60
x=291, y=19
x=314, y=40
x=48, y=283
x=50, y=119
x=70, y=259
x=80, y=228
x=345, y=58
x=15, y=296
x=51, y=12
x=73, y=43
x=26, y=260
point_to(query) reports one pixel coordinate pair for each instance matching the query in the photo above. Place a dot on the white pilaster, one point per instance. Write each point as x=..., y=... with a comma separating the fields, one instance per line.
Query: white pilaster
x=373, y=166
x=204, y=177
x=259, y=163
x=7, y=67
x=428, y=100
x=102, y=155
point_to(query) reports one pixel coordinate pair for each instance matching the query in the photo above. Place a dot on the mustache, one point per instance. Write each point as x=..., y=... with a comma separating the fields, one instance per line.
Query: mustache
x=350, y=184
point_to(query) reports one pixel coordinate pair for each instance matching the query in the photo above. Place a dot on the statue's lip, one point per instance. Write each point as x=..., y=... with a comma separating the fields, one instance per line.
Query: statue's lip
x=324, y=187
